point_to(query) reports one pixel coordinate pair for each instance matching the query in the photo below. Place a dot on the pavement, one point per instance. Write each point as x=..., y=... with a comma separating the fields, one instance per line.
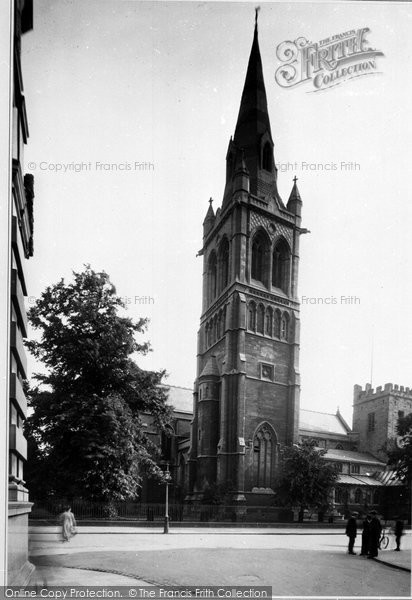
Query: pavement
x=308, y=562
x=400, y=560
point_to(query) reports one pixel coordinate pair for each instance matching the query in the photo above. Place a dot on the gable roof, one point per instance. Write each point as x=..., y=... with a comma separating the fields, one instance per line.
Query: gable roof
x=180, y=398
x=353, y=457
x=320, y=422
x=359, y=480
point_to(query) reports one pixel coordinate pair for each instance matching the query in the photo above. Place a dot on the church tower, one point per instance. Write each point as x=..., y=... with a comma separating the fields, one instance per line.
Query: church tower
x=246, y=397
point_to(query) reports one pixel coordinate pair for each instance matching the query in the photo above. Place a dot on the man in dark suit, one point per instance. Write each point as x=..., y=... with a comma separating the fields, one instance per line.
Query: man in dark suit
x=351, y=532
x=375, y=530
x=365, y=535
x=398, y=530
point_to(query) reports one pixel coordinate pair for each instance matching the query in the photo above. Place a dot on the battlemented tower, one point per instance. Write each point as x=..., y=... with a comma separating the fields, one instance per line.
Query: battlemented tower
x=246, y=399
x=376, y=414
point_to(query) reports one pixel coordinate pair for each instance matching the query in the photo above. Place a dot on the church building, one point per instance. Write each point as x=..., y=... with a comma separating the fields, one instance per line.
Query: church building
x=246, y=397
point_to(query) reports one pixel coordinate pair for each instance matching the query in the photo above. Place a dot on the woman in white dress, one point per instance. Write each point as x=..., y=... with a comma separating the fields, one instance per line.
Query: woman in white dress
x=68, y=523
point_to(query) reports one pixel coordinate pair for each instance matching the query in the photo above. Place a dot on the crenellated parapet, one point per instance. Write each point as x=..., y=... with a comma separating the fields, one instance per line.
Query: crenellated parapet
x=376, y=413
x=360, y=394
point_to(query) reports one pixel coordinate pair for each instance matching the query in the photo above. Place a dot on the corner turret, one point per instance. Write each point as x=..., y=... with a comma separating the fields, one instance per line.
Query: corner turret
x=294, y=204
x=209, y=221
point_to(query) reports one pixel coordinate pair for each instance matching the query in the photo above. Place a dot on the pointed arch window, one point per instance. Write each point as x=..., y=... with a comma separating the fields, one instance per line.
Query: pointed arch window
x=264, y=456
x=167, y=442
x=223, y=264
x=284, y=327
x=281, y=266
x=276, y=324
x=260, y=252
x=252, y=316
x=269, y=321
x=260, y=318
x=339, y=495
x=212, y=277
x=182, y=472
x=267, y=157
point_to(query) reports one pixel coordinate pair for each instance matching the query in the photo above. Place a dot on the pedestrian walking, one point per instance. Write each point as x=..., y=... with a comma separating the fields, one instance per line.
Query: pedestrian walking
x=365, y=535
x=351, y=532
x=375, y=530
x=398, y=529
x=68, y=524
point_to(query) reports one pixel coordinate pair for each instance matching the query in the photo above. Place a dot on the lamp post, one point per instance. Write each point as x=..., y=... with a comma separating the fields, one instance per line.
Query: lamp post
x=166, y=524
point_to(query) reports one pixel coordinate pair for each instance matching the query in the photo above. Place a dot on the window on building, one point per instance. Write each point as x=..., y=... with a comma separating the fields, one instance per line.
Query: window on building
x=252, y=316
x=358, y=496
x=376, y=497
x=223, y=264
x=221, y=324
x=339, y=447
x=276, y=324
x=280, y=266
x=259, y=258
x=215, y=328
x=166, y=443
x=284, y=327
x=267, y=157
x=339, y=495
x=339, y=467
x=14, y=417
x=182, y=472
x=260, y=318
x=269, y=322
x=371, y=422
x=355, y=469
x=212, y=277
x=264, y=456
x=401, y=414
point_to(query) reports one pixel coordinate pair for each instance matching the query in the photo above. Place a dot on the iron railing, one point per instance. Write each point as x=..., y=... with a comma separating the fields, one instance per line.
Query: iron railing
x=136, y=511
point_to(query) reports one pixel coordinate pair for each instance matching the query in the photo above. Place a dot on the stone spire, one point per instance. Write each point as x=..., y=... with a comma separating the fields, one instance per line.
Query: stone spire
x=253, y=118
x=253, y=136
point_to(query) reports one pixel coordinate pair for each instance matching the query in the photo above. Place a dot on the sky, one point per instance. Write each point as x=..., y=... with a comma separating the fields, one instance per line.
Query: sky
x=131, y=106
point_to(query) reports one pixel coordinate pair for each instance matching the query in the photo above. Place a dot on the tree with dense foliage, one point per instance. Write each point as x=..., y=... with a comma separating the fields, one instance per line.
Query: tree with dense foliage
x=306, y=480
x=85, y=434
x=401, y=457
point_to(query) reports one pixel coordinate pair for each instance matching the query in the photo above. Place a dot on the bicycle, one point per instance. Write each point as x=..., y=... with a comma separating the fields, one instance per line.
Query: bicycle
x=383, y=540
